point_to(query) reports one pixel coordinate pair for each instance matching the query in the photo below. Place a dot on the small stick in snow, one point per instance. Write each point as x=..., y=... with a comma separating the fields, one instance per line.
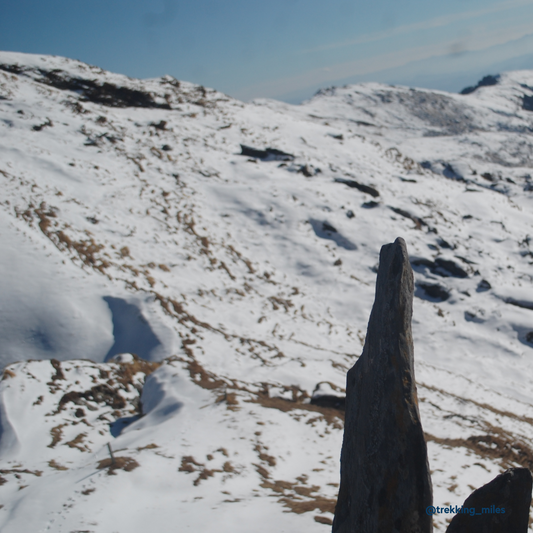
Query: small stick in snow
x=111, y=453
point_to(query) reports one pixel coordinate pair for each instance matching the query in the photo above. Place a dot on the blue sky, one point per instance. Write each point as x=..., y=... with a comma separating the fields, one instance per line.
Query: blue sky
x=280, y=49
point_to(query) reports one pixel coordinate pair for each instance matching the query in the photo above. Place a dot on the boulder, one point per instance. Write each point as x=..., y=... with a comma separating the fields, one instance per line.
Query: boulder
x=385, y=481
x=501, y=506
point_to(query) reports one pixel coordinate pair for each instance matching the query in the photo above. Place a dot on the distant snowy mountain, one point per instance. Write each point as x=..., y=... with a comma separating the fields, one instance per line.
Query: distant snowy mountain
x=233, y=248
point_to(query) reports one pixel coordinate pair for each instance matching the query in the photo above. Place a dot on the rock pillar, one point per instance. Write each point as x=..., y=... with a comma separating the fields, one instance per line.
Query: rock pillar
x=385, y=482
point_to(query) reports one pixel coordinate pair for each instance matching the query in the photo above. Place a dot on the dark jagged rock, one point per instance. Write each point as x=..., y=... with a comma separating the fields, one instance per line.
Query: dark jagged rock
x=520, y=303
x=435, y=291
x=445, y=244
x=324, y=230
x=418, y=221
x=329, y=400
x=359, y=186
x=267, y=153
x=509, y=493
x=483, y=285
x=385, y=483
x=527, y=102
x=441, y=267
x=450, y=266
x=306, y=170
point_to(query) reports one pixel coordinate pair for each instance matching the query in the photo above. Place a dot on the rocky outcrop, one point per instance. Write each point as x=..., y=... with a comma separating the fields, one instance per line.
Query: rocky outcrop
x=385, y=482
x=500, y=506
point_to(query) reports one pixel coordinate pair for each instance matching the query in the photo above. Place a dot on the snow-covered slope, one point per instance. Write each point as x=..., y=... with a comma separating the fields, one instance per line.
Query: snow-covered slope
x=131, y=222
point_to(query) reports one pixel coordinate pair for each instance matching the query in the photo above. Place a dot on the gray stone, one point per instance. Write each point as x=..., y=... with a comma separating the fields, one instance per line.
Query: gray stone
x=385, y=482
x=501, y=506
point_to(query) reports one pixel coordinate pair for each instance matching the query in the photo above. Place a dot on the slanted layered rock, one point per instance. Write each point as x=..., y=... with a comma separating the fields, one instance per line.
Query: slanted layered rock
x=500, y=506
x=385, y=482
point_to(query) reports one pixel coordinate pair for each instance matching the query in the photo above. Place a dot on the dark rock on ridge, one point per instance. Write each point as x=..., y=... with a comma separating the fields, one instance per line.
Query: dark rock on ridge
x=107, y=94
x=385, y=482
x=487, y=81
x=510, y=491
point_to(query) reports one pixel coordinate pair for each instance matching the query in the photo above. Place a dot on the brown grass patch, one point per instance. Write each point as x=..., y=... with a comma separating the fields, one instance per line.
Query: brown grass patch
x=263, y=472
x=37, y=473
x=331, y=416
x=223, y=266
x=57, y=466
x=77, y=443
x=499, y=446
x=59, y=371
x=232, y=403
x=490, y=408
x=127, y=371
x=125, y=252
x=119, y=463
x=87, y=250
x=148, y=447
x=57, y=433
x=177, y=310
x=280, y=302
x=228, y=467
x=38, y=401
x=295, y=497
x=101, y=393
x=190, y=465
x=325, y=505
x=323, y=520
x=271, y=461
x=199, y=375
x=8, y=374
x=123, y=375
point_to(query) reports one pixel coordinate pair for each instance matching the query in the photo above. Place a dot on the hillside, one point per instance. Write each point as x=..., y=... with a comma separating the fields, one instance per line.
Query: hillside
x=134, y=221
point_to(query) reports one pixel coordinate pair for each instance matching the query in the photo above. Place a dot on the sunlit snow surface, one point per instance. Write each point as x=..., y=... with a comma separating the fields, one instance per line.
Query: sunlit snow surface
x=131, y=227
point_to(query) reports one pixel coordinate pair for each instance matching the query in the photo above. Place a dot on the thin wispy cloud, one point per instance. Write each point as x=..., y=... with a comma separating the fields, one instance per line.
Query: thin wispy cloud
x=156, y=20
x=368, y=65
x=437, y=22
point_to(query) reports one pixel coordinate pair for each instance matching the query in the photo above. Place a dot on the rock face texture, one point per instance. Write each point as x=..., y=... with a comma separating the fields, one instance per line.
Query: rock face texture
x=385, y=483
x=500, y=506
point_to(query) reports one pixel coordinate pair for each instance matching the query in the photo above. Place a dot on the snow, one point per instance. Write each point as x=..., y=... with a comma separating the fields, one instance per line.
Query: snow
x=142, y=230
